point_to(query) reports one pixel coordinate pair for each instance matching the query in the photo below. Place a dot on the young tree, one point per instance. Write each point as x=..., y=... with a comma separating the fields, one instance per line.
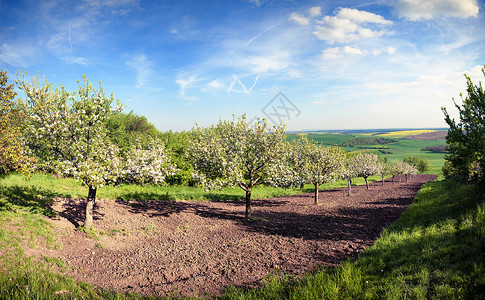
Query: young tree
x=11, y=150
x=381, y=169
x=350, y=171
x=421, y=164
x=67, y=132
x=318, y=165
x=236, y=153
x=366, y=165
x=466, y=138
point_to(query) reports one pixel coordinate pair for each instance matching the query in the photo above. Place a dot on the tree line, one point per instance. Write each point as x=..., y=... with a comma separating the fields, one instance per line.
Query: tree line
x=84, y=135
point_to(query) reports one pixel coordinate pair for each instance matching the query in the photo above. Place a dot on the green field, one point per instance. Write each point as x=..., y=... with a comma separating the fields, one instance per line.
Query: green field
x=399, y=150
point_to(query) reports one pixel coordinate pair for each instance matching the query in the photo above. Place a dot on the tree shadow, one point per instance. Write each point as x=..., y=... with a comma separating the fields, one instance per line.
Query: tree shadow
x=74, y=210
x=34, y=199
x=150, y=196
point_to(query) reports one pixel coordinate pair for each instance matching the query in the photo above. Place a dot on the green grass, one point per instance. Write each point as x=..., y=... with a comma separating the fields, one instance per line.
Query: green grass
x=435, y=251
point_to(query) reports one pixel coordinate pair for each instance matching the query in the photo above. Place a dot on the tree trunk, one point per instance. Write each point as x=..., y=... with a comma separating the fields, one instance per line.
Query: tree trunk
x=393, y=176
x=382, y=180
x=302, y=186
x=349, y=184
x=317, y=185
x=248, y=204
x=366, y=183
x=88, y=222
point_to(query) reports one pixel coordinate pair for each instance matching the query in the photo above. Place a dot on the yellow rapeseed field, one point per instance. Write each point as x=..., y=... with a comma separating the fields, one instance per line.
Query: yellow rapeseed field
x=406, y=132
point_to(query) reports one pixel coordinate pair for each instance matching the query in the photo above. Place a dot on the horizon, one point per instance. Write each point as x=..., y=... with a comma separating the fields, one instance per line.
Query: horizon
x=316, y=64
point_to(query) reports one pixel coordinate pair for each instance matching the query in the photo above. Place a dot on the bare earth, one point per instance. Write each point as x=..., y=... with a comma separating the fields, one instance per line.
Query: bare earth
x=434, y=135
x=164, y=248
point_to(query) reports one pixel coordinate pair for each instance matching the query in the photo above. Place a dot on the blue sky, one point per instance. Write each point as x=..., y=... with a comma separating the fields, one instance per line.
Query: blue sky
x=313, y=64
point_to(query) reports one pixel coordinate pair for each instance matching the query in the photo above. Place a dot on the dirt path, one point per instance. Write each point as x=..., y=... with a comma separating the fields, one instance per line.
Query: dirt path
x=164, y=248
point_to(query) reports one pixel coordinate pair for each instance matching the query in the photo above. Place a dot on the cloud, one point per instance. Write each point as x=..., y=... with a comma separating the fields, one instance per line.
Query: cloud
x=302, y=20
x=350, y=25
x=299, y=19
x=428, y=9
x=185, y=83
x=142, y=66
x=315, y=11
x=15, y=55
x=245, y=90
x=337, y=52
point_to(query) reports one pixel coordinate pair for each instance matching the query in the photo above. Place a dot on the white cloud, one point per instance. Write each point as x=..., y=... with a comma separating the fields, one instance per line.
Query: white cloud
x=243, y=89
x=215, y=84
x=265, y=63
x=15, y=55
x=299, y=19
x=428, y=9
x=185, y=83
x=338, y=52
x=349, y=25
x=142, y=66
x=315, y=11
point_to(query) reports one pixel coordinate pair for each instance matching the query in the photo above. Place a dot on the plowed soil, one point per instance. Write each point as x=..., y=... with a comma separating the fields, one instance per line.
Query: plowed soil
x=164, y=248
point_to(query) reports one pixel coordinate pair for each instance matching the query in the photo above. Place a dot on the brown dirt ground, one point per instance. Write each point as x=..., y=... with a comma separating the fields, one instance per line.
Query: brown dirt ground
x=434, y=135
x=164, y=248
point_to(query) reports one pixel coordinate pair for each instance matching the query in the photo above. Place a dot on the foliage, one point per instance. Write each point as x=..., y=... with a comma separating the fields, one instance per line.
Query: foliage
x=127, y=130
x=365, y=165
x=177, y=144
x=396, y=167
x=310, y=163
x=421, y=164
x=236, y=153
x=350, y=170
x=11, y=150
x=436, y=149
x=466, y=138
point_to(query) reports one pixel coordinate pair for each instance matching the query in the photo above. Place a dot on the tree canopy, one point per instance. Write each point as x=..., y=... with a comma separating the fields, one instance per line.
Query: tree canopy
x=466, y=137
x=11, y=115
x=67, y=133
x=236, y=153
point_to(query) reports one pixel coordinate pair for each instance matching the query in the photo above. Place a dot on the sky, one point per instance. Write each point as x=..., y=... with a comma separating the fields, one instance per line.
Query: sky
x=308, y=64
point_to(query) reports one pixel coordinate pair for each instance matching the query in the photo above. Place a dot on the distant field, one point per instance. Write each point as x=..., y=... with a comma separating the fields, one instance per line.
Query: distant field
x=398, y=150
x=405, y=132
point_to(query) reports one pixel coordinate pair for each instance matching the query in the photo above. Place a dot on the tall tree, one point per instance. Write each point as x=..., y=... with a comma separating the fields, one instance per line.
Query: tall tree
x=236, y=153
x=466, y=138
x=11, y=115
x=67, y=132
